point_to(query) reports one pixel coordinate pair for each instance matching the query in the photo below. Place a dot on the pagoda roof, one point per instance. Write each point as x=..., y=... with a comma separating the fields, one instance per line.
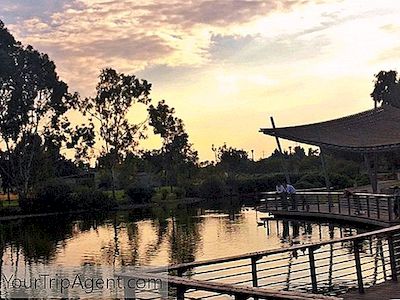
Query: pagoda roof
x=369, y=131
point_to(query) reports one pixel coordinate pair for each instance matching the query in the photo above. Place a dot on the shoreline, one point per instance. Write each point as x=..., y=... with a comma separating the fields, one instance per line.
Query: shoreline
x=185, y=201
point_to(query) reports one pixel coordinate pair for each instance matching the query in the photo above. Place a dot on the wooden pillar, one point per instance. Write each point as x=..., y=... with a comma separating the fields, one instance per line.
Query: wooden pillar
x=371, y=165
x=284, y=165
x=327, y=181
x=323, y=163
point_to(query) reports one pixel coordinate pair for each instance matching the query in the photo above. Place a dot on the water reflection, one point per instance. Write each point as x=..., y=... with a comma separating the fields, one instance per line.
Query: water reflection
x=157, y=236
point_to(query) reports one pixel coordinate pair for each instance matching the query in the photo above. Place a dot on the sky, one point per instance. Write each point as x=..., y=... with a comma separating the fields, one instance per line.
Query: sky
x=226, y=66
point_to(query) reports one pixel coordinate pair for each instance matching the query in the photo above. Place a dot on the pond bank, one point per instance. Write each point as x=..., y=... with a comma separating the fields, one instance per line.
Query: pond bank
x=14, y=216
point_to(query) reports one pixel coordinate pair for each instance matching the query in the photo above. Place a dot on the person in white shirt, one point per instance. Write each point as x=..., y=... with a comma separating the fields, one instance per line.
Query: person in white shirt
x=291, y=191
x=280, y=189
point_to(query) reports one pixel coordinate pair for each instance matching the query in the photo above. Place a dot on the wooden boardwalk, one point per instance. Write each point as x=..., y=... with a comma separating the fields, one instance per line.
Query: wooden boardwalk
x=383, y=291
x=364, y=266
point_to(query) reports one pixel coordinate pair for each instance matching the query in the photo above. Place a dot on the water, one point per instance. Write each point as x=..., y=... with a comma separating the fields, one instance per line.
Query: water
x=152, y=237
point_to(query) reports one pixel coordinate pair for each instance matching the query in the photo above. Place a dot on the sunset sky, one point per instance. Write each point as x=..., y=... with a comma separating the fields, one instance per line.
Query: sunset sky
x=227, y=65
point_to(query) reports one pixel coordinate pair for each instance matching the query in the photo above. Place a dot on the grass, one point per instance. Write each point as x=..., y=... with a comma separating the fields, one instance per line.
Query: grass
x=12, y=203
x=120, y=195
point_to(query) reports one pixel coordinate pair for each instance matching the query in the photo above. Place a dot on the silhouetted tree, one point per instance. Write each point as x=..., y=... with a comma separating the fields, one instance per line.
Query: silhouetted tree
x=177, y=153
x=232, y=159
x=115, y=95
x=387, y=88
x=33, y=103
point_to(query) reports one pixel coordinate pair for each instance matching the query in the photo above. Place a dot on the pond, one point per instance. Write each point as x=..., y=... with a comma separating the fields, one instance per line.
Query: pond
x=153, y=237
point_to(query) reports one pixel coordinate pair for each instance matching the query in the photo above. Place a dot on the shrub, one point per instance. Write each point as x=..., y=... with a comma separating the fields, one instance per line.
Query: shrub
x=87, y=198
x=139, y=193
x=340, y=181
x=212, y=188
x=179, y=192
x=52, y=195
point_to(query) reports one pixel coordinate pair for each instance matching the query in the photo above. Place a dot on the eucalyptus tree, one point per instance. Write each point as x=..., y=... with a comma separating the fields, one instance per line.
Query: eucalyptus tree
x=33, y=107
x=177, y=152
x=386, y=89
x=116, y=93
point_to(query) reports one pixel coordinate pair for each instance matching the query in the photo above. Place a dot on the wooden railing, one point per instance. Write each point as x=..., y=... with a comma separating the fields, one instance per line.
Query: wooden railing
x=330, y=268
x=370, y=207
x=322, y=269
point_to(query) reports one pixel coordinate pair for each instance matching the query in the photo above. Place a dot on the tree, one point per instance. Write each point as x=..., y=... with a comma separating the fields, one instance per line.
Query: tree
x=33, y=103
x=387, y=88
x=232, y=159
x=177, y=153
x=116, y=93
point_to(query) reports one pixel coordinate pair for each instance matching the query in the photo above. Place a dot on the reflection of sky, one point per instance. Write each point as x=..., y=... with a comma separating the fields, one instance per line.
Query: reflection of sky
x=222, y=64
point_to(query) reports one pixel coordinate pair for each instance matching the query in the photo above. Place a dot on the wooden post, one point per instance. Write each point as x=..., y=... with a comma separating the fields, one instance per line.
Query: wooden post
x=368, y=209
x=313, y=273
x=356, y=244
x=327, y=181
x=378, y=207
x=392, y=254
x=180, y=292
x=371, y=171
x=389, y=204
x=284, y=165
x=254, y=270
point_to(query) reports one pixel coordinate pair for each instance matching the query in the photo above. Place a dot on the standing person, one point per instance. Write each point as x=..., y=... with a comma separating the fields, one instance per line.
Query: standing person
x=281, y=191
x=292, y=194
x=396, y=204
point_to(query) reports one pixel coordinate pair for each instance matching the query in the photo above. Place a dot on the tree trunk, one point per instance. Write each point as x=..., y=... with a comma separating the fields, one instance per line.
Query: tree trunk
x=113, y=183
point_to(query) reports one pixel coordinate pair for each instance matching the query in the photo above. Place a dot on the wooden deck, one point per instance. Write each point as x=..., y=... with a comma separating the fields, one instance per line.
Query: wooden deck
x=384, y=291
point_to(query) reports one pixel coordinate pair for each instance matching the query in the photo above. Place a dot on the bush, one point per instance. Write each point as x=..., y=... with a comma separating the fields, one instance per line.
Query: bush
x=179, y=192
x=212, y=188
x=51, y=196
x=87, y=198
x=140, y=194
x=310, y=180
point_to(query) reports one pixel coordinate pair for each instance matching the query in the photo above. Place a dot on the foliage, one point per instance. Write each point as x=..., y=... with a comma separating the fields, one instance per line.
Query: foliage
x=33, y=104
x=140, y=193
x=212, y=188
x=51, y=196
x=115, y=95
x=232, y=159
x=177, y=155
x=387, y=88
x=89, y=198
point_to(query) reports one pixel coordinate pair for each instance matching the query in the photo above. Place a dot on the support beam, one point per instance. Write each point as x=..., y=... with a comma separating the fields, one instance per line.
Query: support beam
x=284, y=164
x=327, y=181
x=370, y=160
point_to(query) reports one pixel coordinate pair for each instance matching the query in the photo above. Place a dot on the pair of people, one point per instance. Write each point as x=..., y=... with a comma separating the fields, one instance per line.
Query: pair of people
x=284, y=190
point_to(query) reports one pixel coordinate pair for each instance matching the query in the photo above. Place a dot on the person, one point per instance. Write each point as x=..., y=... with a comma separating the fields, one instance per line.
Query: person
x=396, y=204
x=280, y=189
x=291, y=191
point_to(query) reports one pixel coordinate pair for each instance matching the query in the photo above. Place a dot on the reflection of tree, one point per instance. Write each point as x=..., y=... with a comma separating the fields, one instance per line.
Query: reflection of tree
x=38, y=239
x=184, y=238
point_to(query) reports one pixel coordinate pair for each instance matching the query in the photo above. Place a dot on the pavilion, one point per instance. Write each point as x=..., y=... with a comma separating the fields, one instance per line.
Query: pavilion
x=368, y=132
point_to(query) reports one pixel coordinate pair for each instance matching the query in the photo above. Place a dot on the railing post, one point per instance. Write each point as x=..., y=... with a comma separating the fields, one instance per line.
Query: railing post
x=378, y=208
x=392, y=254
x=356, y=244
x=368, y=209
x=389, y=204
x=349, y=205
x=276, y=201
x=339, y=205
x=313, y=273
x=180, y=292
x=318, y=203
x=254, y=270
